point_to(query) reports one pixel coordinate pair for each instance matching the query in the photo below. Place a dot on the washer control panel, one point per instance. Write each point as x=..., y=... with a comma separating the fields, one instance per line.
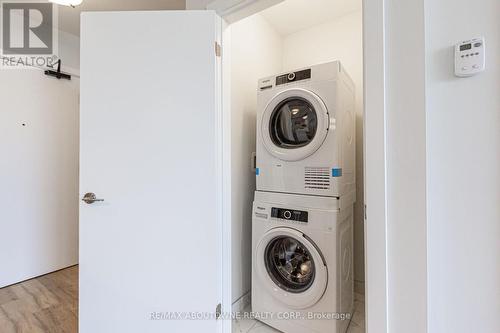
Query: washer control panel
x=294, y=76
x=289, y=214
x=469, y=57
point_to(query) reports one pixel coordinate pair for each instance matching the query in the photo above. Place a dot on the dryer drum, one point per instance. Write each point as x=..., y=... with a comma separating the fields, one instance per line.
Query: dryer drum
x=289, y=264
x=293, y=123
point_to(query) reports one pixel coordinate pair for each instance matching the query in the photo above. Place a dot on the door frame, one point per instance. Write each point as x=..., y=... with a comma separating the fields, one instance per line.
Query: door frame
x=375, y=148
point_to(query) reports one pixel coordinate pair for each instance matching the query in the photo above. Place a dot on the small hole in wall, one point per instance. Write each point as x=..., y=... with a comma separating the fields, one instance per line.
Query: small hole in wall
x=23, y=124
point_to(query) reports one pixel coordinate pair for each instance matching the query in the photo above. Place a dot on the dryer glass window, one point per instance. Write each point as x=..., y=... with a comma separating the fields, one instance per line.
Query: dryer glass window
x=290, y=264
x=293, y=123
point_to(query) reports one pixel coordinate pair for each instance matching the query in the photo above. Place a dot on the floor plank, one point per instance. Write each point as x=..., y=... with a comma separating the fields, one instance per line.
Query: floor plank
x=48, y=303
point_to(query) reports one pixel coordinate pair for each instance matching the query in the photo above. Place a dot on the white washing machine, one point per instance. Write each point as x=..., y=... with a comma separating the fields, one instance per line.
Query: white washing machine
x=302, y=274
x=306, y=132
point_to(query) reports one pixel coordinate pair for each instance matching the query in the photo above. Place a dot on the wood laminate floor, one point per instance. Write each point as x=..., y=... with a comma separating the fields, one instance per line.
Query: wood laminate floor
x=47, y=304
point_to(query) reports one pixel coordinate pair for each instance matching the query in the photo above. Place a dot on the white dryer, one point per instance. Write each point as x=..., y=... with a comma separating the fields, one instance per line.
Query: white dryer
x=306, y=132
x=302, y=274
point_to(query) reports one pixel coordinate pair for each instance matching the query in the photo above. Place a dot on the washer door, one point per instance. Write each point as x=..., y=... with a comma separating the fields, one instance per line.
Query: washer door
x=294, y=124
x=291, y=268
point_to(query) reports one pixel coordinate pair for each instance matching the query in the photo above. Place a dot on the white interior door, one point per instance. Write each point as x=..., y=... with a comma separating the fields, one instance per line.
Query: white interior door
x=151, y=149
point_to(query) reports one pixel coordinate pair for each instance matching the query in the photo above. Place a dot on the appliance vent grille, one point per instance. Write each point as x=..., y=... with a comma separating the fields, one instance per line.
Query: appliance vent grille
x=317, y=178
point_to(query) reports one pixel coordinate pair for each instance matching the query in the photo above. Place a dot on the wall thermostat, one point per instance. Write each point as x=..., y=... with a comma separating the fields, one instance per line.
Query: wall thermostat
x=469, y=57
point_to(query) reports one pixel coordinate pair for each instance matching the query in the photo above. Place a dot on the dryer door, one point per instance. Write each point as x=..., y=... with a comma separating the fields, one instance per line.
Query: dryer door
x=291, y=267
x=294, y=124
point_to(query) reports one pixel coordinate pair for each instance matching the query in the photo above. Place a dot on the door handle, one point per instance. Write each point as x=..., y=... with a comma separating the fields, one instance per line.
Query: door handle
x=90, y=198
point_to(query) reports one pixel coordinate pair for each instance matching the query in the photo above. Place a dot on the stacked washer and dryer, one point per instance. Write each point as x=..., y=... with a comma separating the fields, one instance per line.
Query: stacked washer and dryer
x=302, y=232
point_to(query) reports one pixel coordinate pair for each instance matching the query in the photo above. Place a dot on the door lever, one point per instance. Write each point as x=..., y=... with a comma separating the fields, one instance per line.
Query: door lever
x=90, y=198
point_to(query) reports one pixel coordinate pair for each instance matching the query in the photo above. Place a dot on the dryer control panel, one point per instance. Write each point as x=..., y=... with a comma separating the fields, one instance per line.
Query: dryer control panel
x=289, y=214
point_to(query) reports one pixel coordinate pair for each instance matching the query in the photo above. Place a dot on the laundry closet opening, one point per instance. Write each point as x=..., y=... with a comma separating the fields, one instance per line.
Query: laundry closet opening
x=287, y=44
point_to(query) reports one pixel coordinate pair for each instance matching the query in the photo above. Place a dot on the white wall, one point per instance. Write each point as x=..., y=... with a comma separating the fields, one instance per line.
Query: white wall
x=39, y=174
x=39, y=126
x=256, y=52
x=463, y=166
x=340, y=39
x=406, y=162
x=69, y=52
x=197, y=4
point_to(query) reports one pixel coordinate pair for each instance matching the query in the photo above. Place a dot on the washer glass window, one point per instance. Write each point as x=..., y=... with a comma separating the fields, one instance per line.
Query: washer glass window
x=293, y=123
x=290, y=264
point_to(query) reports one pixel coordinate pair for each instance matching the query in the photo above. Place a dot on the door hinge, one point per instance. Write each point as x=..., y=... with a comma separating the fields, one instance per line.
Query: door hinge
x=217, y=49
x=365, y=213
x=218, y=311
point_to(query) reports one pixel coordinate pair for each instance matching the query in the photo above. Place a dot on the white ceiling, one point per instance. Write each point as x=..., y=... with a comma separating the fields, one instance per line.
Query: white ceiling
x=294, y=15
x=69, y=18
x=287, y=17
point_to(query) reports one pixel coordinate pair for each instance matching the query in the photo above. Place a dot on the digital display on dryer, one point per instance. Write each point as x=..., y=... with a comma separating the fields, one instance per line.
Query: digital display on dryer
x=290, y=214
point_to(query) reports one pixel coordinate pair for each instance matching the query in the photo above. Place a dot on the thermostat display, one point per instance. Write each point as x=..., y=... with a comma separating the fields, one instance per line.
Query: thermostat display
x=469, y=57
x=465, y=47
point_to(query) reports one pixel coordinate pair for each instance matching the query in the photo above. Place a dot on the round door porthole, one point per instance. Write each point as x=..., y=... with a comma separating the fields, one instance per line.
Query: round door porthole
x=293, y=123
x=290, y=264
x=290, y=267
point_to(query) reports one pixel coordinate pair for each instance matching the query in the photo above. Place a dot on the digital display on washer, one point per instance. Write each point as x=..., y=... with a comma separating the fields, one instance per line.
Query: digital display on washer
x=294, y=76
x=289, y=214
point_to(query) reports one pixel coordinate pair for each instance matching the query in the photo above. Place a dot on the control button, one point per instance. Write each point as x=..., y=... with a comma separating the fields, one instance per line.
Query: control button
x=462, y=56
x=477, y=53
x=291, y=76
x=465, y=68
x=287, y=214
x=475, y=66
x=478, y=44
x=466, y=55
